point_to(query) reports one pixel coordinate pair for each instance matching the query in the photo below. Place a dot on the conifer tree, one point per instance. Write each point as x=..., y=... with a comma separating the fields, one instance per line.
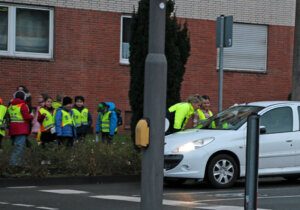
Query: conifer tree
x=177, y=51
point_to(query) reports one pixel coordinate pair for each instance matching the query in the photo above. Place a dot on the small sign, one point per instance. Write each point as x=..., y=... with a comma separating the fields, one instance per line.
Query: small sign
x=227, y=33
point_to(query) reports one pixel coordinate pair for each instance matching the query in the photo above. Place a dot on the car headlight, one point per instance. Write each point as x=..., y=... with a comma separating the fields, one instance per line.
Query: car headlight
x=190, y=146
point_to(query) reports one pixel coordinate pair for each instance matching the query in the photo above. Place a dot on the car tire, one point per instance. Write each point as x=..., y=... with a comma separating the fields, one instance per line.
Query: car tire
x=222, y=171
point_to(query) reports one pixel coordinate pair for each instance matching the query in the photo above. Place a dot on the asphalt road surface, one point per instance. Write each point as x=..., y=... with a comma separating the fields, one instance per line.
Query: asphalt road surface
x=274, y=193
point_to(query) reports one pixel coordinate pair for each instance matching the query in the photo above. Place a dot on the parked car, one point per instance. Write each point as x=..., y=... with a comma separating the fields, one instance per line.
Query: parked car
x=216, y=150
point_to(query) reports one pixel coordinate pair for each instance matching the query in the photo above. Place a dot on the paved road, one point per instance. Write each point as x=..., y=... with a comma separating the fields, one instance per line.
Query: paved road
x=273, y=194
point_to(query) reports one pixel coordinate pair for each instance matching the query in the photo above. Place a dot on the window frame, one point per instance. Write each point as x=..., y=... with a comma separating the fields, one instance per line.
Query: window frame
x=11, y=45
x=123, y=60
x=247, y=69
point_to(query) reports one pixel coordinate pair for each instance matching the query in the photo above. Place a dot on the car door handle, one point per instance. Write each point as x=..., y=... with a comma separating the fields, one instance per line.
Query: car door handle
x=289, y=141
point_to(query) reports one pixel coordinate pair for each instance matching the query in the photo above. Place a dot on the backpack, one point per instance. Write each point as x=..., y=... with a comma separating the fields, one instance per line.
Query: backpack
x=119, y=116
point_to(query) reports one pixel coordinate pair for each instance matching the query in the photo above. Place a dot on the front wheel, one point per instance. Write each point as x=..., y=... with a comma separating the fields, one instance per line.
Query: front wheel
x=222, y=171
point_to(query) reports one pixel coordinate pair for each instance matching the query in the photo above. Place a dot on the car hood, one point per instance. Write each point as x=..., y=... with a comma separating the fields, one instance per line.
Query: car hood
x=177, y=139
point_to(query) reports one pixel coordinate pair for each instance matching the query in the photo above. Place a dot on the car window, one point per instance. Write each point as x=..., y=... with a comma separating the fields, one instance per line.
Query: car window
x=229, y=119
x=278, y=120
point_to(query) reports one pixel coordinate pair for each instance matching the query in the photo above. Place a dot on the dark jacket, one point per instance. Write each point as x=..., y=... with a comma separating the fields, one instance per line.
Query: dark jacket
x=83, y=128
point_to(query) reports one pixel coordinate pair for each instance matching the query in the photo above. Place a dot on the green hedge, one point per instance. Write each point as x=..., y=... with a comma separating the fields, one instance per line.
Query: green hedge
x=88, y=158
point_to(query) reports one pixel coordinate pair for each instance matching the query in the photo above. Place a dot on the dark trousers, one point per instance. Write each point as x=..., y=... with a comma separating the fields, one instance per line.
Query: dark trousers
x=65, y=140
x=81, y=136
x=106, y=138
x=1, y=141
x=47, y=137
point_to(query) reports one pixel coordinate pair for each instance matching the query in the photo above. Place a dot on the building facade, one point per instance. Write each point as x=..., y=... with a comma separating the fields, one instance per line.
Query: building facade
x=81, y=47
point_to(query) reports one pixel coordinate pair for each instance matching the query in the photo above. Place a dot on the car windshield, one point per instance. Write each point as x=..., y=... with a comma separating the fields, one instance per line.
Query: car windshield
x=229, y=119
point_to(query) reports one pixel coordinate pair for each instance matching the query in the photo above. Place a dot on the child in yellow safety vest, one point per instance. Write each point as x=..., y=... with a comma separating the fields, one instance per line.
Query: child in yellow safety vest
x=3, y=110
x=46, y=119
x=81, y=117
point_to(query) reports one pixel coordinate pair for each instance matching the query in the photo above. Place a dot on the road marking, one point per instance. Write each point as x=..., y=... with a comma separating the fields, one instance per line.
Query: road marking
x=22, y=187
x=47, y=208
x=170, y=202
x=4, y=203
x=65, y=191
x=21, y=204
x=195, y=193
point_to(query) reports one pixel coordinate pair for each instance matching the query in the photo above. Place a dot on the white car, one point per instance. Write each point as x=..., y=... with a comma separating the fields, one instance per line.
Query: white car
x=216, y=149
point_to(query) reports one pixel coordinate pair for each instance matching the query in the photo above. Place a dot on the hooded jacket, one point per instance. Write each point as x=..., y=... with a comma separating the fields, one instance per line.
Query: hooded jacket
x=24, y=127
x=66, y=131
x=113, y=119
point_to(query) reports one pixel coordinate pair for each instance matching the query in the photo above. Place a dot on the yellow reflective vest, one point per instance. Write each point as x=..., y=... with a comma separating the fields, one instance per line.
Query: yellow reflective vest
x=48, y=121
x=3, y=110
x=183, y=112
x=15, y=114
x=66, y=119
x=105, y=122
x=80, y=118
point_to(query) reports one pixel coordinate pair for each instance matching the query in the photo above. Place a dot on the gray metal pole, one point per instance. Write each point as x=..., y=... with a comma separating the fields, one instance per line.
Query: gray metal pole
x=252, y=152
x=154, y=109
x=296, y=61
x=220, y=105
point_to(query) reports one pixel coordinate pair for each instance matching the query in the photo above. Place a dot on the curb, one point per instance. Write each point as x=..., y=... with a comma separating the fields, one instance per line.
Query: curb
x=9, y=182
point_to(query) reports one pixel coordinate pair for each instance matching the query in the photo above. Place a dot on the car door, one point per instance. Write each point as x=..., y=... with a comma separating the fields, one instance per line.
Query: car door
x=276, y=145
x=297, y=141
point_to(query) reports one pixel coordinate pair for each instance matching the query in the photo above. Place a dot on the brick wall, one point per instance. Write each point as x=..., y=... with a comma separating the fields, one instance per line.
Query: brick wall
x=86, y=62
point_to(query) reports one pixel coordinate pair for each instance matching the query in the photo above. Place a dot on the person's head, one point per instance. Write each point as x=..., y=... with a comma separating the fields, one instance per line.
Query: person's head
x=206, y=102
x=42, y=97
x=195, y=101
x=20, y=95
x=67, y=103
x=79, y=101
x=48, y=102
x=102, y=107
x=22, y=88
x=59, y=97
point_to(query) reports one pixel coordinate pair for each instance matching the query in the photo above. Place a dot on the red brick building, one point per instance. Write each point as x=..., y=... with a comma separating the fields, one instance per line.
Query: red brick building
x=78, y=49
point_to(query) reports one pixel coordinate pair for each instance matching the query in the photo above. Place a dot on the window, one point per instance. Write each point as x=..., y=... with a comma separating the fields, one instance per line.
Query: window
x=125, y=38
x=26, y=32
x=278, y=120
x=249, y=48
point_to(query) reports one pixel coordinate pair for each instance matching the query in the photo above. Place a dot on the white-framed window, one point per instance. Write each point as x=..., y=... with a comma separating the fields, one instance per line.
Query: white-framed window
x=125, y=38
x=26, y=31
x=249, y=48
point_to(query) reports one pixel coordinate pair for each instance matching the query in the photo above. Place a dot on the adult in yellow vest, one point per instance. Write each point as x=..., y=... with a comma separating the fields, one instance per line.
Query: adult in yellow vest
x=107, y=121
x=46, y=119
x=3, y=121
x=82, y=118
x=179, y=114
x=64, y=123
x=19, y=125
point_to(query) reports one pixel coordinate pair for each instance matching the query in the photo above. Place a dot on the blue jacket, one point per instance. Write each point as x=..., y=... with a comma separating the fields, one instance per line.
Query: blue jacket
x=113, y=119
x=68, y=130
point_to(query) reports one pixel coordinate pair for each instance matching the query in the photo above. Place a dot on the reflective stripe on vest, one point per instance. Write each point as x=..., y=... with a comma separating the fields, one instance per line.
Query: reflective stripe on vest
x=80, y=118
x=15, y=114
x=3, y=110
x=66, y=118
x=105, y=122
x=48, y=121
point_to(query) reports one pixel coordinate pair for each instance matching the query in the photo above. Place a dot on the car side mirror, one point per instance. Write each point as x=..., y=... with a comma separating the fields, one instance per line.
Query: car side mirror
x=262, y=129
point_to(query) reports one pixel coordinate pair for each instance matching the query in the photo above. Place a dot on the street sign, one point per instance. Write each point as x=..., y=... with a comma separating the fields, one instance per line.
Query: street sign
x=227, y=32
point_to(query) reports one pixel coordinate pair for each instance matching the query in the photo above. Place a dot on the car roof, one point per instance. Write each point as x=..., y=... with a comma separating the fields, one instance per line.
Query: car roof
x=272, y=103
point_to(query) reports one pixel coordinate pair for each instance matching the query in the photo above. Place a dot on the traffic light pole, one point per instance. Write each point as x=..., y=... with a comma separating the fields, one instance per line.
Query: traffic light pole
x=154, y=109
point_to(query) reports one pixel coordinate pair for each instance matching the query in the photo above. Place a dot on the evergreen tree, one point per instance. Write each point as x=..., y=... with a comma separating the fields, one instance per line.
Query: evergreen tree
x=177, y=51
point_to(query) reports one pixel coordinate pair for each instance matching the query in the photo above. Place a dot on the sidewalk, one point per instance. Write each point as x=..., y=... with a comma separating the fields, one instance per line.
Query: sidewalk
x=10, y=182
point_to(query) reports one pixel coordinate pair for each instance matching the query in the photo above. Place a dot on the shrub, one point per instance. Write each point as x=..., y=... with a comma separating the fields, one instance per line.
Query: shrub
x=87, y=158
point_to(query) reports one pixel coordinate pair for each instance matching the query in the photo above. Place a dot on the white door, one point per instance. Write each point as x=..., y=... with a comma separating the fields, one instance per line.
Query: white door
x=276, y=145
